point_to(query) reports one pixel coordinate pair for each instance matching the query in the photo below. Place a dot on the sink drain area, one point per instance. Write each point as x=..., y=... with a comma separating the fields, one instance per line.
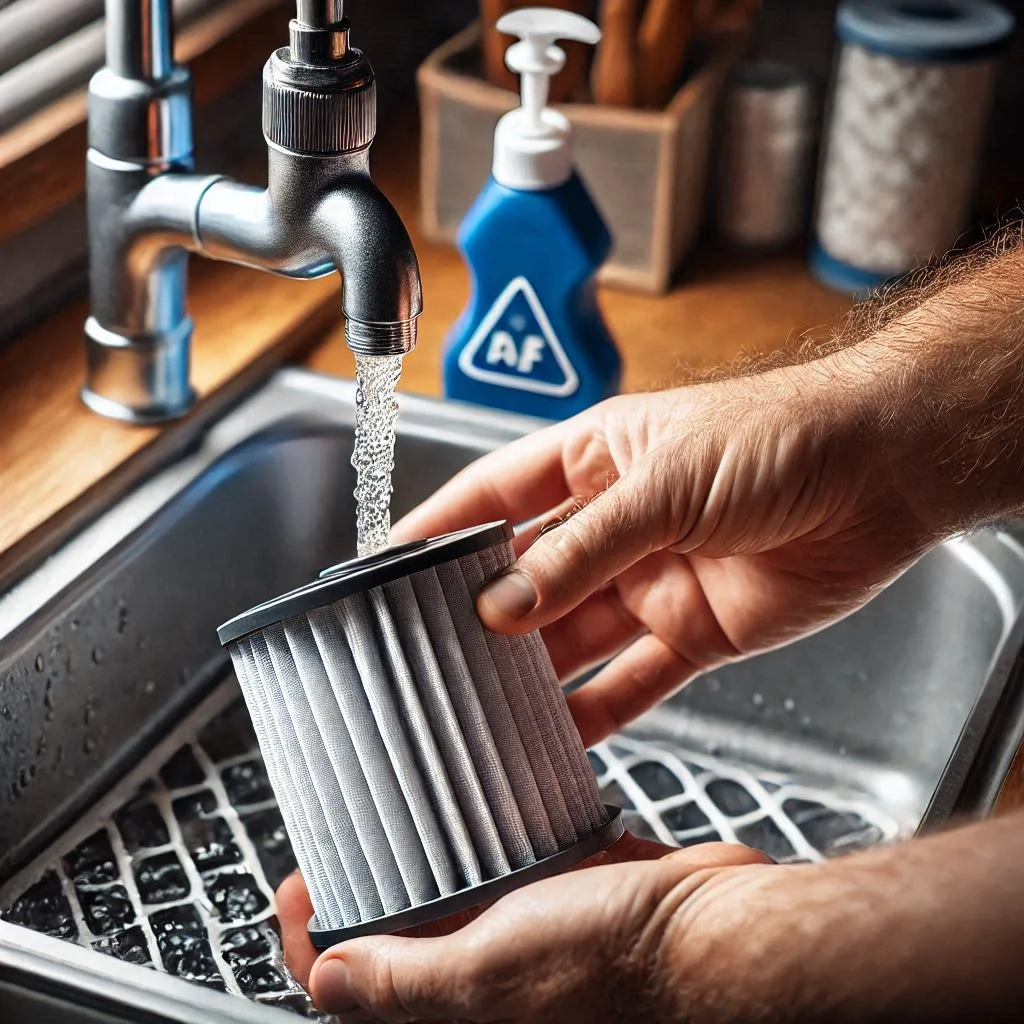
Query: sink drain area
x=177, y=874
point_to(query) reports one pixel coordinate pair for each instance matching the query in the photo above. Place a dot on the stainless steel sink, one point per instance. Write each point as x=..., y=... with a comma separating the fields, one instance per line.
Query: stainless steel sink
x=886, y=723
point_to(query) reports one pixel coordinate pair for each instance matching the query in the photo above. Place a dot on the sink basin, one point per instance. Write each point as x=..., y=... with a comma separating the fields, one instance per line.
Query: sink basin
x=116, y=702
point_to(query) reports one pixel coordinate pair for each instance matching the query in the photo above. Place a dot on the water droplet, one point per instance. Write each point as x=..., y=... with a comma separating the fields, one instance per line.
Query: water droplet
x=143, y=643
x=89, y=713
x=48, y=700
x=40, y=664
x=74, y=624
x=714, y=685
x=88, y=745
x=149, y=686
x=41, y=746
x=805, y=721
x=5, y=711
x=757, y=700
x=122, y=618
x=97, y=655
x=789, y=704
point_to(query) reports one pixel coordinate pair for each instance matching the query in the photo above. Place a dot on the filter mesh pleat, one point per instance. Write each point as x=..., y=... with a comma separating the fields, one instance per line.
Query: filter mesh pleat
x=586, y=795
x=292, y=768
x=426, y=865
x=394, y=842
x=314, y=755
x=538, y=733
x=317, y=798
x=456, y=674
x=502, y=721
x=453, y=840
x=417, y=644
x=336, y=771
x=568, y=754
x=295, y=820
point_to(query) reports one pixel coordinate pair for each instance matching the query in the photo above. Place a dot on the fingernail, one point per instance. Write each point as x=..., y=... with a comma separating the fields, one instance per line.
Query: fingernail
x=331, y=987
x=511, y=595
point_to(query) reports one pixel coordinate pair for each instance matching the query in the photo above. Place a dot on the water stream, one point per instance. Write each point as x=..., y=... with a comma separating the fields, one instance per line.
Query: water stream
x=374, y=453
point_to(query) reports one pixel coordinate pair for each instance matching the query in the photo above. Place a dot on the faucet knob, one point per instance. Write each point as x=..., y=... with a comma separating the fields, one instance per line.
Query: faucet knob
x=319, y=110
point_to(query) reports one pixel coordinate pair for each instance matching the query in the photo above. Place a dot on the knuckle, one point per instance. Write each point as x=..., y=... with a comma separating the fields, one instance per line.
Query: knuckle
x=482, y=986
x=384, y=999
x=568, y=550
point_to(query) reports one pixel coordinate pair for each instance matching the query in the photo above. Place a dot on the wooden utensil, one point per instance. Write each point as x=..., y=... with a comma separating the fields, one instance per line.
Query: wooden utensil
x=736, y=16
x=566, y=84
x=493, y=44
x=704, y=13
x=663, y=40
x=613, y=79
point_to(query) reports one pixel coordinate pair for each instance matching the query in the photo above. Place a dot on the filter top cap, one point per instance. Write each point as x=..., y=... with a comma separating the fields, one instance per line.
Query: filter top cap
x=362, y=574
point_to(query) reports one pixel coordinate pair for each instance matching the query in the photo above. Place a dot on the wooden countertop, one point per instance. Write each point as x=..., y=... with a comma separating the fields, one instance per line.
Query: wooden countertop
x=54, y=453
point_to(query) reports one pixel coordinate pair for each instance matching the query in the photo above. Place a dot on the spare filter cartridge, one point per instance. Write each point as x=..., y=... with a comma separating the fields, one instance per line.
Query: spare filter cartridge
x=423, y=764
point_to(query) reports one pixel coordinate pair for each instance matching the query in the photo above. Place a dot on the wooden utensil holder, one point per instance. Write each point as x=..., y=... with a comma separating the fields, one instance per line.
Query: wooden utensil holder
x=646, y=169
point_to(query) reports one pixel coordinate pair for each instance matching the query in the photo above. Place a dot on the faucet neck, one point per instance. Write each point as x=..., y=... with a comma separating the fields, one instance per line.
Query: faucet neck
x=140, y=103
x=319, y=34
x=140, y=39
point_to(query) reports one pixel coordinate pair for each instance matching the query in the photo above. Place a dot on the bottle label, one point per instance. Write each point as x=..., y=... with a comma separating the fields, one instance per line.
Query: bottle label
x=515, y=346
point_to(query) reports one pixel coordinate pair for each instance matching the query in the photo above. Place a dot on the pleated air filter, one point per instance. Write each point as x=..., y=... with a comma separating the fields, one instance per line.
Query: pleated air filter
x=423, y=765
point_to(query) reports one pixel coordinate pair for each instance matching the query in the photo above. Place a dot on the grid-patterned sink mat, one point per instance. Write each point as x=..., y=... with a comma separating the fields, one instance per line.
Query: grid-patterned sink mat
x=684, y=798
x=180, y=877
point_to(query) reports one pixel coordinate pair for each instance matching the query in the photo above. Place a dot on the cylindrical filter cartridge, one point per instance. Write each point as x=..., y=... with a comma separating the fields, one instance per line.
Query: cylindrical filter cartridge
x=911, y=96
x=423, y=765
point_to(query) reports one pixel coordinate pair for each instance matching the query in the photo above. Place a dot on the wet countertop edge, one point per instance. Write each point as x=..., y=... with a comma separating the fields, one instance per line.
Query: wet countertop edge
x=54, y=454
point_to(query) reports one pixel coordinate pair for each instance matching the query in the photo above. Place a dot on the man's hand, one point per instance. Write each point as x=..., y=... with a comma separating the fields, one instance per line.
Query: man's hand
x=710, y=523
x=930, y=930
x=294, y=908
x=583, y=947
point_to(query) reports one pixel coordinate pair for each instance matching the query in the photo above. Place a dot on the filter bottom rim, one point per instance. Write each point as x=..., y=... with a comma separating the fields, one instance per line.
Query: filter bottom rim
x=466, y=899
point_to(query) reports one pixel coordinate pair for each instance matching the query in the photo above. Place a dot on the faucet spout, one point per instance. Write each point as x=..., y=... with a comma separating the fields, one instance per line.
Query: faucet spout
x=321, y=213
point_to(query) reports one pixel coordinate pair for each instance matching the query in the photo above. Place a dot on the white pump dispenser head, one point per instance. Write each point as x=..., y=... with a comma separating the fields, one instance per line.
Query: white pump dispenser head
x=533, y=144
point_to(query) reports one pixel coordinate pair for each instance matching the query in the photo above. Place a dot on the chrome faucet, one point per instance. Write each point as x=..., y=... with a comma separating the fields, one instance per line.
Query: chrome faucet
x=147, y=210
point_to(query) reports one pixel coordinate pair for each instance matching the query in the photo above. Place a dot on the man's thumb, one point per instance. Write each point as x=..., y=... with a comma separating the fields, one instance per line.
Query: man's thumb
x=569, y=562
x=394, y=979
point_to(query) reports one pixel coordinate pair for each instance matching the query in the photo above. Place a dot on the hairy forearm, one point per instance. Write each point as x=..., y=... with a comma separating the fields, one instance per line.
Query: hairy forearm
x=938, y=387
x=928, y=930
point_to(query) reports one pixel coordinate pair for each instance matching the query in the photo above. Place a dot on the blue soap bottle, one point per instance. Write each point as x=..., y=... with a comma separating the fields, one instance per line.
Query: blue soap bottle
x=532, y=339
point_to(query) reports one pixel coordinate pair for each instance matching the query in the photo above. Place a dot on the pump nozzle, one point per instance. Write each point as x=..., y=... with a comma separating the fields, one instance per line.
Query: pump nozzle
x=532, y=145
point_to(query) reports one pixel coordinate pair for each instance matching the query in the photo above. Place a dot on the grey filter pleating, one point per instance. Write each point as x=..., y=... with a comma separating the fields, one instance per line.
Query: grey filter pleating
x=422, y=764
